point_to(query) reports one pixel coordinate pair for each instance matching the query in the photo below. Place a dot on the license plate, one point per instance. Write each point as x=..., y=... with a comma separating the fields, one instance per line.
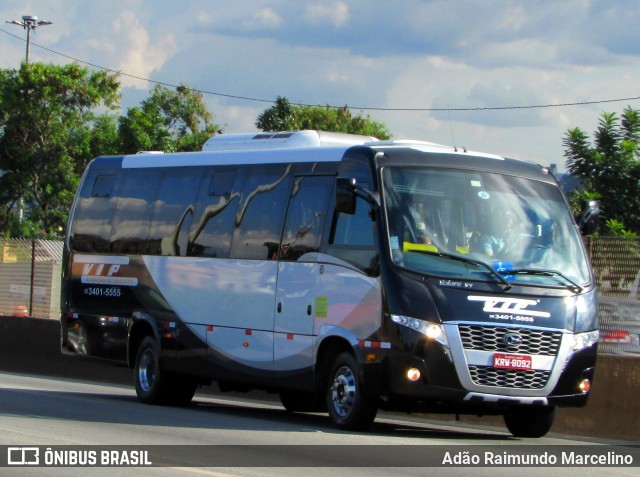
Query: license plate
x=511, y=361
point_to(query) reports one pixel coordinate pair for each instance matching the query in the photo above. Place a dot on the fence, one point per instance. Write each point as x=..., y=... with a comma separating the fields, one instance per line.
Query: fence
x=30, y=278
x=616, y=263
x=30, y=285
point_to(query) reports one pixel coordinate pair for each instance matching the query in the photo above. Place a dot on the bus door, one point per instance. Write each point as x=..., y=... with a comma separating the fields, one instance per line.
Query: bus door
x=349, y=293
x=299, y=271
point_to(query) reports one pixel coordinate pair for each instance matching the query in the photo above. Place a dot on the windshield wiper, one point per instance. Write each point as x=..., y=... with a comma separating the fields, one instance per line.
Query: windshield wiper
x=573, y=286
x=496, y=274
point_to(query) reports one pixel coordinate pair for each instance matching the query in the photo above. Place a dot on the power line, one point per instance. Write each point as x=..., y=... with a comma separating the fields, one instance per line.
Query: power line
x=245, y=98
x=363, y=108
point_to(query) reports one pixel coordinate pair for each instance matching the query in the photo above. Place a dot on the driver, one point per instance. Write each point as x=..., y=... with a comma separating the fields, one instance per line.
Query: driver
x=500, y=238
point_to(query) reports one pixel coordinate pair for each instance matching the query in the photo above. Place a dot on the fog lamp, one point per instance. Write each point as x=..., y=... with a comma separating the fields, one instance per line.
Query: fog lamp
x=584, y=385
x=413, y=374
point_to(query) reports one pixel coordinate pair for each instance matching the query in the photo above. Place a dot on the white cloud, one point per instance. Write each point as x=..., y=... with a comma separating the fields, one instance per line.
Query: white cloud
x=137, y=54
x=265, y=18
x=336, y=13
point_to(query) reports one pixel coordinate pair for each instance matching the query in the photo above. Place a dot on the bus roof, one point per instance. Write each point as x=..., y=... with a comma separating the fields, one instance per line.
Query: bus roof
x=235, y=157
x=287, y=139
x=286, y=147
x=431, y=147
x=266, y=148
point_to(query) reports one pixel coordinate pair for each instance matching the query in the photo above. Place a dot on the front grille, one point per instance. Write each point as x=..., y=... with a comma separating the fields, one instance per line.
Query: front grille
x=520, y=379
x=489, y=338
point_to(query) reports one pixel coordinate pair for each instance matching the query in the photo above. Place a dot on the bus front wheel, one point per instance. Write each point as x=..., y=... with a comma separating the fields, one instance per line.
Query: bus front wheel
x=348, y=405
x=155, y=386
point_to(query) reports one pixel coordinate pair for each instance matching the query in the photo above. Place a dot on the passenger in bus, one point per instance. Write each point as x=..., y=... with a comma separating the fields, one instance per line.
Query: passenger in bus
x=417, y=236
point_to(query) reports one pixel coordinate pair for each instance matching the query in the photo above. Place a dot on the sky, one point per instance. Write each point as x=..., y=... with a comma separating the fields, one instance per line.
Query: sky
x=458, y=72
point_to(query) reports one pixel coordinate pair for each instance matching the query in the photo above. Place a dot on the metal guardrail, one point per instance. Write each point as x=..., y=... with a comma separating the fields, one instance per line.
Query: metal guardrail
x=30, y=285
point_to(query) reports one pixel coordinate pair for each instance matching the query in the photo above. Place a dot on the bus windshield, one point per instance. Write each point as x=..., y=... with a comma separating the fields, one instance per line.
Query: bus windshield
x=482, y=226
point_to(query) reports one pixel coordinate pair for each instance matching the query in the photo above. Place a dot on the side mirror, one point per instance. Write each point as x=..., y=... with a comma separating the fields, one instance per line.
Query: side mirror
x=346, y=195
x=588, y=218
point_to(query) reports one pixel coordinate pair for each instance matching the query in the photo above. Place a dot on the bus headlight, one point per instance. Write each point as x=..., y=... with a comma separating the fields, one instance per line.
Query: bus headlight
x=584, y=340
x=432, y=331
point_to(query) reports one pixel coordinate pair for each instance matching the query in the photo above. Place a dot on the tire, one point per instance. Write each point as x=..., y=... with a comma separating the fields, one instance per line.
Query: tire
x=296, y=401
x=530, y=421
x=347, y=403
x=155, y=386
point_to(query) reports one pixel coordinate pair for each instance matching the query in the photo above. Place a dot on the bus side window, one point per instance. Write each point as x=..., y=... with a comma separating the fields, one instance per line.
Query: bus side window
x=260, y=213
x=133, y=212
x=173, y=211
x=306, y=216
x=354, y=230
x=92, y=222
x=352, y=239
x=214, y=215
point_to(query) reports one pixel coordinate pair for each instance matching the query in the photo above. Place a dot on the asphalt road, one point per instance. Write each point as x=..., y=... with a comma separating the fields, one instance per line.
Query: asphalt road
x=50, y=413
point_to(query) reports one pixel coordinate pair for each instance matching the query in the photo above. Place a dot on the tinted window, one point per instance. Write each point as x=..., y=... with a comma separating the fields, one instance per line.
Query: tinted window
x=259, y=217
x=221, y=184
x=354, y=230
x=215, y=214
x=103, y=185
x=92, y=220
x=504, y=221
x=131, y=222
x=353, y=240
x=173, y=211
x=306, y=216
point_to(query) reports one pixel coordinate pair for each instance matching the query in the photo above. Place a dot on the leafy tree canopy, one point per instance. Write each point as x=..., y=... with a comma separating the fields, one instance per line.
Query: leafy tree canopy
x=46, y=117
x=609, y=169
x=55, y=119
x=167, y=121
x=283, y=116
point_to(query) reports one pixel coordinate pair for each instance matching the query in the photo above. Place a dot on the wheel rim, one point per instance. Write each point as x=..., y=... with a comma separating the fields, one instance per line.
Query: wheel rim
x=147, y=370
x=343, y=391
x=81, y=344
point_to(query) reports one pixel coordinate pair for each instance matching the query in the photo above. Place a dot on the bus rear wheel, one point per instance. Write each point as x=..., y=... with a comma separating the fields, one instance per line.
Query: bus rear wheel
x=348, y=405
x=155, y=386
x=529, y=421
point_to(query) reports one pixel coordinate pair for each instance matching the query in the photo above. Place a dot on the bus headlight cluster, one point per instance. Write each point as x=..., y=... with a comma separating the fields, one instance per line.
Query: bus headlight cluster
x=584, y=340
x=432, y=331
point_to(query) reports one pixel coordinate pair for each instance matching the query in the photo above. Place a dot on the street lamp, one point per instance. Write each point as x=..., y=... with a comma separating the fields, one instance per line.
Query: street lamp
x=29, y=23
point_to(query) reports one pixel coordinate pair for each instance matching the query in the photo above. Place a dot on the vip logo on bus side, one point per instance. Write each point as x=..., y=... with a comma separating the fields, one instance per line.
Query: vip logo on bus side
x=102, y=270
x=98, y=268
x=509, y=306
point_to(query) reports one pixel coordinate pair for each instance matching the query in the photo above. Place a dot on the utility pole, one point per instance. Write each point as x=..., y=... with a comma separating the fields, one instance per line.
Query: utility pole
x=29, y=23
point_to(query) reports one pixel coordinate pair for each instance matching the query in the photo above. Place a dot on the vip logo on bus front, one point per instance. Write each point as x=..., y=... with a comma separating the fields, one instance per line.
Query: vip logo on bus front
x=509, y=307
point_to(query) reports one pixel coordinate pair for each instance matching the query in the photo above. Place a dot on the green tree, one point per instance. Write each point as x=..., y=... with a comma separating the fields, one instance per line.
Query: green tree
x=167, y=121
x=47, y=114
x=610, y=169
x=143, y=129
x=283, y=116
x=105, y=137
